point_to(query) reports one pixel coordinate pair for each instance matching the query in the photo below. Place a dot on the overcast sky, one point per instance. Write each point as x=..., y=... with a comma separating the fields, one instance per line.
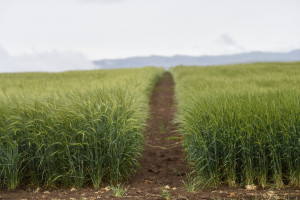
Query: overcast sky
x=98, y=29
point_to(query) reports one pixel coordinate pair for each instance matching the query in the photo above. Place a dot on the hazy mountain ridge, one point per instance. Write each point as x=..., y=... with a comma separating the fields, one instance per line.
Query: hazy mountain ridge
x=165, y=61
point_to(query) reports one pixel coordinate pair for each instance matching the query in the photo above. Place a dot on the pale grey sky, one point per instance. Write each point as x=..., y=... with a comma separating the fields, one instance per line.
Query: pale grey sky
x=122, y=28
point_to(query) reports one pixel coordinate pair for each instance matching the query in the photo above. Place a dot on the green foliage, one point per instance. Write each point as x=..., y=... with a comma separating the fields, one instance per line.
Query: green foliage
x=72, y=128
x=241, y=124
x=165, y=195
x=191, y=183
x=118, y=190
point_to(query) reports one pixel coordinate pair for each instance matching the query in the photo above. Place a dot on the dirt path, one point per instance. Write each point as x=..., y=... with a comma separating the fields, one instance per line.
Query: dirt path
x=163, y=164
x=162, y=167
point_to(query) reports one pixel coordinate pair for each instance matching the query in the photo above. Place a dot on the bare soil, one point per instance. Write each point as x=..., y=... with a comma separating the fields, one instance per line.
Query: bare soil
x=163, y=165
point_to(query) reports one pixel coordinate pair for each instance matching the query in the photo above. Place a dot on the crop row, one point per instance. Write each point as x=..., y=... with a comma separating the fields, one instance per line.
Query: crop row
x=73, y=128
x=241, y=124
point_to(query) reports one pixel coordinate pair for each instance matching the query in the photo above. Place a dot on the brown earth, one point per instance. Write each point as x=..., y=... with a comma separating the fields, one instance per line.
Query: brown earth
x=163, y=166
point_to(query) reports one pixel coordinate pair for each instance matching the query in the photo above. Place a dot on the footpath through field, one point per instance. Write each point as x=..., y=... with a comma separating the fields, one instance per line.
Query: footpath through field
x=163, y=164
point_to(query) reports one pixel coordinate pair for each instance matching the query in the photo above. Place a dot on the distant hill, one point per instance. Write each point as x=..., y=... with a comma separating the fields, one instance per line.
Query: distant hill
x=165, y=61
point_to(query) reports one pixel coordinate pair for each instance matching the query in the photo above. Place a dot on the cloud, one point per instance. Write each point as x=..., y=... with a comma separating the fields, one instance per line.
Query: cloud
x=226, y=40
x=228, y=44
x=53, y=61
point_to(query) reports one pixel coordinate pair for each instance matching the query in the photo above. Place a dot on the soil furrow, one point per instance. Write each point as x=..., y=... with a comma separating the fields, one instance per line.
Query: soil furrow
x=163, y=163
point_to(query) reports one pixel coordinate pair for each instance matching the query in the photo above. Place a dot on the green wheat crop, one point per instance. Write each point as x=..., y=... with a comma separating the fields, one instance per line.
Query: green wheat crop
x=241, y=124
x=72, y=128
